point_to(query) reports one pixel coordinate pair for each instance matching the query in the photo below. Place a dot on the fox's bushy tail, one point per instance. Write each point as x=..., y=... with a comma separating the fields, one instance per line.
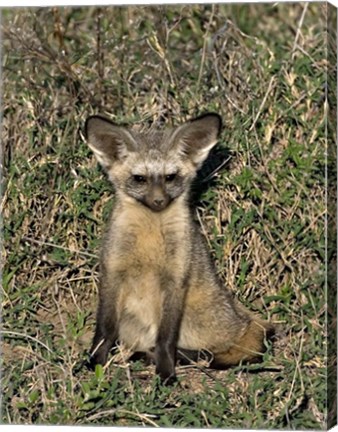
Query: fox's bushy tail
x=249, y=348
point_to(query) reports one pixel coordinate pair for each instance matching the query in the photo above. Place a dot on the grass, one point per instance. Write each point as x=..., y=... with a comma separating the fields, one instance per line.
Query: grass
x=263, y=68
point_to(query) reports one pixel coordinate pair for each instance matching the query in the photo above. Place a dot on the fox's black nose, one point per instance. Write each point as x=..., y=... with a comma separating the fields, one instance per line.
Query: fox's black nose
x=158, y=202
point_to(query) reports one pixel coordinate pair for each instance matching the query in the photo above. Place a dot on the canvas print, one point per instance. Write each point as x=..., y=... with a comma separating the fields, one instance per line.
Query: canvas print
x=169, y=216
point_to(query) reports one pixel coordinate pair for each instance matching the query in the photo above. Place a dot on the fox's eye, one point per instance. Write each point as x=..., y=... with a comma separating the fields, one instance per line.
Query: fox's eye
x=170, y=177
x=139, y=178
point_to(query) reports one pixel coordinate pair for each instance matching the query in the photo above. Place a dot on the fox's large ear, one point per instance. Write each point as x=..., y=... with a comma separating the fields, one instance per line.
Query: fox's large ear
x=197, y=137
x=108, y=141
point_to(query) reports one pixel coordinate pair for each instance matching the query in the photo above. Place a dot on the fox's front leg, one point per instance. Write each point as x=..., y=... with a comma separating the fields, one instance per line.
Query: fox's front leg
x=166, y=342
x=106, y=332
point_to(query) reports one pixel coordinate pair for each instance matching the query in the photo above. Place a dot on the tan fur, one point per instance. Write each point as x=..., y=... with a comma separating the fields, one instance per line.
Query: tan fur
x=159, y=289
x=144, y=260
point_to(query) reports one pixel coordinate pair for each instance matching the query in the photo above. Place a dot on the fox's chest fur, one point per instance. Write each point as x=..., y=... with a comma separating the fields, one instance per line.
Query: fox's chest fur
x=145, y=247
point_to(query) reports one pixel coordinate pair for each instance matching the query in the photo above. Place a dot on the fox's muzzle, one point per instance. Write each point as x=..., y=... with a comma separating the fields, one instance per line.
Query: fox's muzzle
x=157, y=199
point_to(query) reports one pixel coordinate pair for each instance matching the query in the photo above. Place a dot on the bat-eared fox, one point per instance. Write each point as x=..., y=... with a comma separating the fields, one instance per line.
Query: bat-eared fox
x=159, y=292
